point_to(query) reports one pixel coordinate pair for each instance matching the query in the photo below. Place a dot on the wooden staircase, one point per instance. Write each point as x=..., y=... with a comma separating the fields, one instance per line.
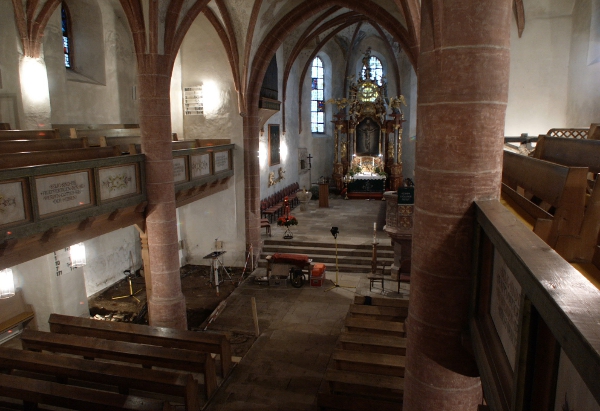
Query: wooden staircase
x=366, y=370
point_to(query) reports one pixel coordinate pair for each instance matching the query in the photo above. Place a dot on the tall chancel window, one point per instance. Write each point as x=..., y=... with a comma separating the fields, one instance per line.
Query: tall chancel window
x=376, y=70
x=66, y=35
x=317, y=105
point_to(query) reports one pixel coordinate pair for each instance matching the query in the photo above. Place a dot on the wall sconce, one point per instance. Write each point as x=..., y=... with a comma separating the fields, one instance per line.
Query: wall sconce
x=77, y=252
x=7, y=283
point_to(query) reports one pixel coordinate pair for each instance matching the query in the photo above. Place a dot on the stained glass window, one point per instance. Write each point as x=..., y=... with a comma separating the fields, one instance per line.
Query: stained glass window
x=66, y=35
x=376, y=70
x=317, y=106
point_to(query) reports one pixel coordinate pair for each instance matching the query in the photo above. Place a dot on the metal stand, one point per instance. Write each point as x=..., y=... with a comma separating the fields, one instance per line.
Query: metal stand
x=131, y=293
x=214, y=268
x=335, y=232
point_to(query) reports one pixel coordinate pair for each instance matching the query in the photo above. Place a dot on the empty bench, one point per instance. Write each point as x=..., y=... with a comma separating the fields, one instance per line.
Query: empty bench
x=147, y=356
x=33, y=392
x=124, y=377
x=216, y=343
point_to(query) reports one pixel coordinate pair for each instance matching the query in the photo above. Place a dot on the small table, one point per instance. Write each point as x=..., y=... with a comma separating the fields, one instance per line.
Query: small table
x=323, y=195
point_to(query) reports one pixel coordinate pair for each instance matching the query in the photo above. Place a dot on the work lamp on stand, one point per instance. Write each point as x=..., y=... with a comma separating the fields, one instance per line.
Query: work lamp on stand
x=7, y=283
x=77, y=253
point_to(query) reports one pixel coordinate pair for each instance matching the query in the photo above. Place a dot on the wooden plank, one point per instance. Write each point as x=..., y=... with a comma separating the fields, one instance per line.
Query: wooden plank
x=378, y=312
x=382, y=301
x=28, y=134
x=34, y=391
x=326, y=401
x=371, y=385
x=145, y=355
x=372, y=363
x=383, y=344
x=123, y=376
x=207, y=342
x=558, y=291
x=41, y=145
x=15, y=160
x=375, y=326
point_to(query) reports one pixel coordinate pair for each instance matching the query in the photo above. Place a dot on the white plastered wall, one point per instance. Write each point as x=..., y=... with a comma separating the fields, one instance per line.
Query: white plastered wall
x=539, y=70
x=220, y=215
x=583, y=103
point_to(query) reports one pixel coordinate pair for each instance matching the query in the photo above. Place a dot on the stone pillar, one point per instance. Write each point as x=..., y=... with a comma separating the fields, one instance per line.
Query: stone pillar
x=252, y=182
x=463, y=90
x=166, y=305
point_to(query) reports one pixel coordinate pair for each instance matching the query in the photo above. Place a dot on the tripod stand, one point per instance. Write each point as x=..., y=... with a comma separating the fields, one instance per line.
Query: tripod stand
x=335, y=232
x=131, y=293
x=214, y=268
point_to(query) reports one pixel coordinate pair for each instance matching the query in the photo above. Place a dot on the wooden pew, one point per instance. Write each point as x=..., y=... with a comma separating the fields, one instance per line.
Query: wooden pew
x=33, y=392
x=4, y=126
x=28, y=134
x=146, y=355
x=65, y=128
x=558, y=187
x=14, y=311
x=204, y=342
x=35, y=158
x=20, y=146
x=569, y=152
x=124, y=377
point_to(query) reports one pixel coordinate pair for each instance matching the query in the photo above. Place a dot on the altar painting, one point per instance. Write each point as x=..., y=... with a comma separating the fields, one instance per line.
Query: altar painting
x=368, y=133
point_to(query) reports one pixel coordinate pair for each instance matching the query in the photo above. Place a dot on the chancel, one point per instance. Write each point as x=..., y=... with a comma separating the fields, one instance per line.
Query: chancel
x=146, y=129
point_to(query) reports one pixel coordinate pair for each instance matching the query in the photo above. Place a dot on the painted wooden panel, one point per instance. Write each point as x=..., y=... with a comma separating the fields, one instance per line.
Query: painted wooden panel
x=179, y=170
x=117, y=182
x=200, y=165
x=62, y=192
x=222, y=161
x=505, y=307
x=12, y=207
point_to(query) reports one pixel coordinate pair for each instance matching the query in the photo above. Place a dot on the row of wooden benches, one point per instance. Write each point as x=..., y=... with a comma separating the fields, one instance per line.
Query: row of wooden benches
x=20, y=148
x=555, y=194
x=129, y=353
x=366, y=370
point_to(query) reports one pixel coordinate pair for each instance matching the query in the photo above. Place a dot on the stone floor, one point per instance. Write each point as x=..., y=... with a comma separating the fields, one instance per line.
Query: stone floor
x=284, y=368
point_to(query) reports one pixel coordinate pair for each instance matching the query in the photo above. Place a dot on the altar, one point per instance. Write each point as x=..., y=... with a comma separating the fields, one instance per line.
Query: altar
x=367, y=143
x=366, y=186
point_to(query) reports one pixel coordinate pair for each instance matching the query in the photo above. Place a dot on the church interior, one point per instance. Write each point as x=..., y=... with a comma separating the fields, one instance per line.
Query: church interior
x=438, y=157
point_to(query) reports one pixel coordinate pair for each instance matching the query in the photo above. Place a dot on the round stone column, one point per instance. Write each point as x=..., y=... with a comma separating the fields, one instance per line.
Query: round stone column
x=166, y=304
x=252, y=181
x=463, y=90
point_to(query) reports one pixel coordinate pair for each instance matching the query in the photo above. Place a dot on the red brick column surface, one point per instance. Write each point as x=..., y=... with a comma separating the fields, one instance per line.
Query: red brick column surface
x=252, y=180
x=166, y=304
x=463, y=90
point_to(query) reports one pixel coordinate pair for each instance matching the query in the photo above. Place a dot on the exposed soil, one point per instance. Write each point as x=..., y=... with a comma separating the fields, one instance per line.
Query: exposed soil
x=200, y=296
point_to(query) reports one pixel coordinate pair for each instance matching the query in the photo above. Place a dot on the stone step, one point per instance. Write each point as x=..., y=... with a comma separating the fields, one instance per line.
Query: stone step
x=325, y=245
x=351, y=258
x=329, y=260
x=343, y=268
x=365, y=253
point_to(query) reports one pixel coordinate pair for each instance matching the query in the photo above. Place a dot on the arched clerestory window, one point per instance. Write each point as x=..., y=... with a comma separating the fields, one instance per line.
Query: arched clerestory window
x=376, y=70
x=66, y=35
x=317, y=104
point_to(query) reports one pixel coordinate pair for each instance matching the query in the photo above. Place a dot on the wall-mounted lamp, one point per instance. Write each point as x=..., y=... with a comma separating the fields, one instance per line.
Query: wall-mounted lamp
x=77, y=252
x=7, y=283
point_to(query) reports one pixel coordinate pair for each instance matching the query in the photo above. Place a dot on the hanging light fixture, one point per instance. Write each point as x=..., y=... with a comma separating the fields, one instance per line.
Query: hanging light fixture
x=77, y=252
x=7, y=283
